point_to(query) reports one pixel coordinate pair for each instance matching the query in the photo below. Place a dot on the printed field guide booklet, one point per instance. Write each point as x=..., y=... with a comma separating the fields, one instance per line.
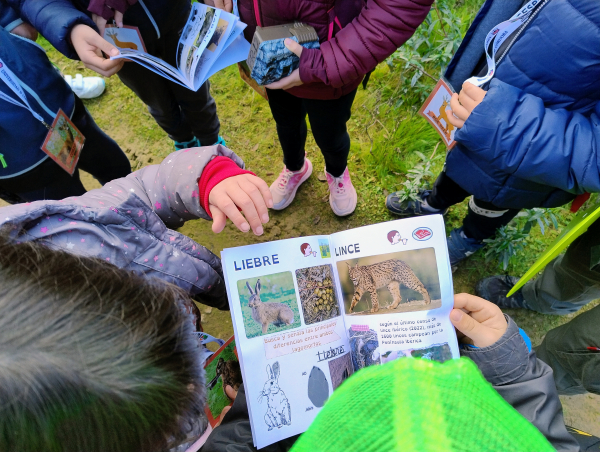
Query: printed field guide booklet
x=211, y=40
x=309, y=311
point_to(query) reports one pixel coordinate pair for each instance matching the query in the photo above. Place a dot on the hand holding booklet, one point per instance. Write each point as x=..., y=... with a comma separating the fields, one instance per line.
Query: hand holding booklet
x=211, y=40
x=309, y=311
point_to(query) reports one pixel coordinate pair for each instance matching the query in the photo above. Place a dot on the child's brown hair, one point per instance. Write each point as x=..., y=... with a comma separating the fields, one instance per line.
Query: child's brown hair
x=92, y=357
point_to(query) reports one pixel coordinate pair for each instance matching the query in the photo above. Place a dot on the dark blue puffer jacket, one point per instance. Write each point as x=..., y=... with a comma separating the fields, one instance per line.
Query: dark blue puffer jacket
x=534, y=141
x=21, y=135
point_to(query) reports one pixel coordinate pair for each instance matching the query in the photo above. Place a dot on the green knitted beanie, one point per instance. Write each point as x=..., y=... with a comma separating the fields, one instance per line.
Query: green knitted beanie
x=420, y=405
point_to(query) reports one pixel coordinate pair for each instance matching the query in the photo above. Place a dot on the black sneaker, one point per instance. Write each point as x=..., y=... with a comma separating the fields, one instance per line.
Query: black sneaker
x=411, y=208
x=495, y=288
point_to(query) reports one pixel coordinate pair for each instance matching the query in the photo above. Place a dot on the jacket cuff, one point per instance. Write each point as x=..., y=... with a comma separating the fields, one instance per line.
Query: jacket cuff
x=504, y=361
x=312, y=67
x=14, y=24
x=219, y=169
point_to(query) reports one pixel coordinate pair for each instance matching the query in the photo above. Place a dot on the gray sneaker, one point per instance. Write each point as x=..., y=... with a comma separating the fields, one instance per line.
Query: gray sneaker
x=495, y=288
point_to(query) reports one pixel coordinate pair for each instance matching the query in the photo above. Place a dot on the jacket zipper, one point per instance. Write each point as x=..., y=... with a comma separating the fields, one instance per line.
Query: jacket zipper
x=257, y=13
x=535, y=13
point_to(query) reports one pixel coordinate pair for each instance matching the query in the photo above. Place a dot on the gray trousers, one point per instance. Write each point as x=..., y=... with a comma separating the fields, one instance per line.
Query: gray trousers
x=568, y=283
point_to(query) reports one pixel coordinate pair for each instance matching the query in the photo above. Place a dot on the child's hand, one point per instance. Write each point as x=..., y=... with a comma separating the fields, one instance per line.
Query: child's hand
x=294, y=78
x=464, y=103
x=101, y=21
x=225, y=5
x=250, y=193
x=25, y=31
x=89, y=45
x=477, y=321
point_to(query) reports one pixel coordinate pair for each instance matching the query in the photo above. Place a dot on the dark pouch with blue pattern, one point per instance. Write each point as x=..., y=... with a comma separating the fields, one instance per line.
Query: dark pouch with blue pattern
x=269, y=59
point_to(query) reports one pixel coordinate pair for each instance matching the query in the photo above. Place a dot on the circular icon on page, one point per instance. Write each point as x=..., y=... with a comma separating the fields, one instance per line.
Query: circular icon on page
x=422, y=234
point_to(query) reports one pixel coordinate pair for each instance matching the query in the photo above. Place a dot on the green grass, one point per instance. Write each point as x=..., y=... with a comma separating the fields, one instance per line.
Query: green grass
x=385, y=132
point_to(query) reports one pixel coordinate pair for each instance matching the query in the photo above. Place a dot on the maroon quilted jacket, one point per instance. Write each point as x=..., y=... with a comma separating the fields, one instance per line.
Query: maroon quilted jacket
x=355, y=36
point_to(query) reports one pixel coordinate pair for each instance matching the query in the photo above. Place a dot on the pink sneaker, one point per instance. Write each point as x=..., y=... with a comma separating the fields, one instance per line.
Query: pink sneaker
x=285, y=186
x=342, y=194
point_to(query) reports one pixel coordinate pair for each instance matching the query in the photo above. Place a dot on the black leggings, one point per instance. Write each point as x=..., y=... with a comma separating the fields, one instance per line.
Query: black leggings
x=328, y=120
x=476, y=225
x=101, y=156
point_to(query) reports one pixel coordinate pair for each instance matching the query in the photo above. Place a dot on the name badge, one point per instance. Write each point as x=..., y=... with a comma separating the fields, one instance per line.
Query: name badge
x=434, y=111
x=64, y=142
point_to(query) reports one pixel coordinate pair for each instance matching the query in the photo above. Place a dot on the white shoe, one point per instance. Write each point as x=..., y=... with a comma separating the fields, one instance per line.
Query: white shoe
x=285, y=186
x=86, y=87
x=342, y=194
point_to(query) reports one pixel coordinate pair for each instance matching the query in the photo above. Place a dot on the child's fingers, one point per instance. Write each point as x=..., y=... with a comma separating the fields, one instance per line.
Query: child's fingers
x=466, y=101
x=474, y=92
x=459, y=111
x=264, y=189
x=257, y=198
x=231, y=393
x=458, y=123
x=118, y=19
x=475, y=333
x=480, y=309
x=229, y=208
x=244, y=202
x=219, y=219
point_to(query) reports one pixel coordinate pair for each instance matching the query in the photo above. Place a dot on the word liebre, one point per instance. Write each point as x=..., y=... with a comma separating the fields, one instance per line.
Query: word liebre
x=331, y=353
x=350, y=249
x=256, y=262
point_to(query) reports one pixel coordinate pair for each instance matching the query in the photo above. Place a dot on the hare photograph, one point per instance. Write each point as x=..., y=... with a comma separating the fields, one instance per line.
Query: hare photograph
x=269, y=304
x=317, y=293
x=396, y=282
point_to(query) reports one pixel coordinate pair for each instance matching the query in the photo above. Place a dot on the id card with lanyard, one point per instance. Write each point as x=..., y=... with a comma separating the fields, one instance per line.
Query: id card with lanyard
x=434, y=108
x=63, y=142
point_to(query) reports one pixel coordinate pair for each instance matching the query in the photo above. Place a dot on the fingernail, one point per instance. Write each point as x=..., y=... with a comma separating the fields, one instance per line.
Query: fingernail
x=270, y=204
x=456, y=315
x=259, y=230
x=245, y=227
x=114, y=52
x=265, y=218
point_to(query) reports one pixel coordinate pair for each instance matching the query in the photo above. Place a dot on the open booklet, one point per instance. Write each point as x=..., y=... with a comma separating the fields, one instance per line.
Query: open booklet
x=211, y=40
x=309, y=311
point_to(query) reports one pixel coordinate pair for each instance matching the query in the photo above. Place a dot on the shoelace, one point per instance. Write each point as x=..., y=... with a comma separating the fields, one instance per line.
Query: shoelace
x=340, y=188
x=284, y=178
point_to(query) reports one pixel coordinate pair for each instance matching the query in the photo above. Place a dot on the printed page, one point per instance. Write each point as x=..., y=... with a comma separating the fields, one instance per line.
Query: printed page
x=196, y=35
x=154, y=64
x=217, y=42
x=396, y=287
x=289, y=332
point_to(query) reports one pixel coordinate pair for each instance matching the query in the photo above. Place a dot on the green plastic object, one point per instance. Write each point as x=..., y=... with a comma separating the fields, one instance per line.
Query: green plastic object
x=413, y=404
x=578, y=226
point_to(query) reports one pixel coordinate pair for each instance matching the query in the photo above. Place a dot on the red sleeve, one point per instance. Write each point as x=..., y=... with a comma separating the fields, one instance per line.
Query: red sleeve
x=381, y=27
x=219, y=169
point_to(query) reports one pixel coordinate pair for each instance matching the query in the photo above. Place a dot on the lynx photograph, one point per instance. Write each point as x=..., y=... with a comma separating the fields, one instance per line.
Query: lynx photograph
x=396, y=282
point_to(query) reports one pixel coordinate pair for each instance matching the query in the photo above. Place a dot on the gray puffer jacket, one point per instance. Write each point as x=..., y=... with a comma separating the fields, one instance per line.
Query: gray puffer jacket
x=525, y=382
x=127, y=223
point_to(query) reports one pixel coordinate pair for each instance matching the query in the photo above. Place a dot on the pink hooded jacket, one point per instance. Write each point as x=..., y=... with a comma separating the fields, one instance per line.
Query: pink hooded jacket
x=355, y=36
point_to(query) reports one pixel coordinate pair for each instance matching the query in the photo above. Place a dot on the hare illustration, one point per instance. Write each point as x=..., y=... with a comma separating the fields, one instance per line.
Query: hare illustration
x=279, y=412
x=120, y=44
x=278, y=314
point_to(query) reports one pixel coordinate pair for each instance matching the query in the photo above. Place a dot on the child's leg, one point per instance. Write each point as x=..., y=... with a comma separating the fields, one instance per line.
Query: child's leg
x=101, y=156
x=290, y=118
x=445, y=193
x=328, y=120
x=484, y=219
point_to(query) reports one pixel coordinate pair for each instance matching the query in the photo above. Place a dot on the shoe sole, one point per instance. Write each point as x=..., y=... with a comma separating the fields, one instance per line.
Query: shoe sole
x=344, y=214
x=291, y=198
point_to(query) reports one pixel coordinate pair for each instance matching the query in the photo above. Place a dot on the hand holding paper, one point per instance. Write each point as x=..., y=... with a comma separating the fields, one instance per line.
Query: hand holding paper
x=464, y=103
x=477, y=321
x=89, y=45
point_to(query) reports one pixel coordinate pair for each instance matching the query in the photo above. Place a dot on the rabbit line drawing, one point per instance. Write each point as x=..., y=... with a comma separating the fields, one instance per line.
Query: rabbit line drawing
x=279, y=314
x=279, y=412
